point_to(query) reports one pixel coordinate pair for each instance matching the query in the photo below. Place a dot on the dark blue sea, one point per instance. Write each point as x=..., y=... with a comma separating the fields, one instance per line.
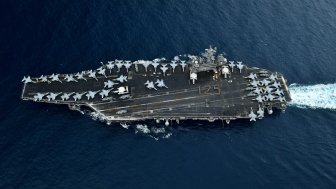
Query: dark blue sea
x=49, y=146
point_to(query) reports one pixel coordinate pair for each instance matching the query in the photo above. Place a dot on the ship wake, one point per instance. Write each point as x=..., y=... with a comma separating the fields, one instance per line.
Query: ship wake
x=318, y=96
x=155, y=132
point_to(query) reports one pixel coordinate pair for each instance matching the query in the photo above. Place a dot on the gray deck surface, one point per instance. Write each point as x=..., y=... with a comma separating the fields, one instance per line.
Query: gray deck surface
x=206, y=99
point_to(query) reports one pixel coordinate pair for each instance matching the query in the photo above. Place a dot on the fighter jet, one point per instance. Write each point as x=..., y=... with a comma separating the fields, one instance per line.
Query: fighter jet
x=80, y=76
x=232, y=65
x=279, y=92
x=173, y=65
x=69, y=78
x=91, y=94
x=145, y=63
x=252, y=76
x=257, y=91
x=39, y=96
x=252, y=115
x=273, y=77
x=268, y=89
x=259, y=99
x=110, y=65
x=276, y=84
x=100, y=68
x=52, y=96
x=27, y=79
x=78, y=96
x=160, y=83
x=240, y=66
x=101, y=71
x=127, y=65
x=164, y=69
x=109, y=84
x=155, y=64
x=66, y=96
x=150, y=85
x=119, y=64
x=43, y=78
x=265, y=82
x=254, y=83
x=55, y=77
x=282, y=99
x=183, y=64
x=92, y=74
x=270, y=97
x=105, y=92
x=260, y=113
x=122, y=78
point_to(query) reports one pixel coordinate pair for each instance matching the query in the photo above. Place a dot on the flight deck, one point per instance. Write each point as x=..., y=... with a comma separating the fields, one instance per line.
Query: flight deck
x=205, y=87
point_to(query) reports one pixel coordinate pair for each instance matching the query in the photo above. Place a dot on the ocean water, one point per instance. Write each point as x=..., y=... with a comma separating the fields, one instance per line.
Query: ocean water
x=46, y=146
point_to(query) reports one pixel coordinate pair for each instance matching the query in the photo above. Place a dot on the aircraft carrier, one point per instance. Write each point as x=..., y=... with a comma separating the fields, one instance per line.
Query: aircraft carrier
x=205, y=87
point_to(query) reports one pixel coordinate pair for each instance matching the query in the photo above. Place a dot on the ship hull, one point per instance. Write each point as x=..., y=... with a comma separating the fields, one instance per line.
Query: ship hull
x=211, y=96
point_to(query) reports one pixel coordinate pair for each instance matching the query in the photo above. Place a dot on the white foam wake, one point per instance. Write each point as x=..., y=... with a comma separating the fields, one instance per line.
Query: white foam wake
x=313, y=96
x=152, y=131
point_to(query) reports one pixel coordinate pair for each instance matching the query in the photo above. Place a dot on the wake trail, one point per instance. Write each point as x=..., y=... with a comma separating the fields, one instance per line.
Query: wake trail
x=318, y=96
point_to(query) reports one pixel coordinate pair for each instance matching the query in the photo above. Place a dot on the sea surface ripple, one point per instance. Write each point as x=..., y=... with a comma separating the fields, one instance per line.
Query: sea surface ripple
x=46, y=146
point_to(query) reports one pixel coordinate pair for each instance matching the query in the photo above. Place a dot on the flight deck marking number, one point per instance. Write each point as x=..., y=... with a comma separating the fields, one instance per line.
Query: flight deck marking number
x=210, y=89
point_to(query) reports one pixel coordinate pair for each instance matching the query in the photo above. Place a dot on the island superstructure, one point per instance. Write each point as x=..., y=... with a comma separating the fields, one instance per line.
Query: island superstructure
x=204, y=87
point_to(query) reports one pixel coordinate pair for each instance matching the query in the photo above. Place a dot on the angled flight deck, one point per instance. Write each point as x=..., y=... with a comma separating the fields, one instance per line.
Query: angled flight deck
x=206, y=87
